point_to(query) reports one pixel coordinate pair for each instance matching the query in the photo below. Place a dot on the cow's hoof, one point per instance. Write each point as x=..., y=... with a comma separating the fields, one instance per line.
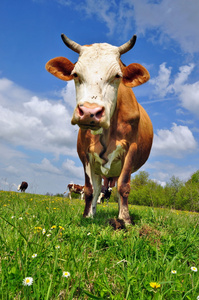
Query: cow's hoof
x=117, y=224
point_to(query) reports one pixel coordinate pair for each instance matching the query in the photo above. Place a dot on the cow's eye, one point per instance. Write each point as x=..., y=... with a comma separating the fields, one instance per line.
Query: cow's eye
x=75, y=75
x=117, y=76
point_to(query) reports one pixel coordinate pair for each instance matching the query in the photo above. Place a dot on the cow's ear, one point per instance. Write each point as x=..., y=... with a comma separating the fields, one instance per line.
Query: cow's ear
x=134, y=75
x=60, y=67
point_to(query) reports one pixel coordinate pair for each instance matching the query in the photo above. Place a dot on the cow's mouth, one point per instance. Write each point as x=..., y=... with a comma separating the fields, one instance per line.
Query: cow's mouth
x=89, y=126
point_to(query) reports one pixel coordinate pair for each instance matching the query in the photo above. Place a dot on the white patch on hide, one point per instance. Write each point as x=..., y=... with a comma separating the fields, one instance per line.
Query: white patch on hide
x=114, y=165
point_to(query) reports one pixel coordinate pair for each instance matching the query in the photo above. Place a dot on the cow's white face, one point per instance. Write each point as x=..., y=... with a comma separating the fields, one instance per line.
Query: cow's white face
x=97, y=75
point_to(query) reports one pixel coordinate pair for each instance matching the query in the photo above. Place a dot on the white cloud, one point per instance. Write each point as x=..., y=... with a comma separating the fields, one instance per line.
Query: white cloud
x=32, y=130
x=162, y=171
x=35, y=123
x=189, y=96
x=11, y=95
x=68, y=94
x=69, y=166
x=161, y=82
x=177, y=20
x=175, y=142
x=46, y=166
x=187, y=93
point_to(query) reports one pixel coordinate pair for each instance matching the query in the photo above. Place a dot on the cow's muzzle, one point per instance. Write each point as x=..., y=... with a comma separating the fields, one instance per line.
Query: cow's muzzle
x=89, y=116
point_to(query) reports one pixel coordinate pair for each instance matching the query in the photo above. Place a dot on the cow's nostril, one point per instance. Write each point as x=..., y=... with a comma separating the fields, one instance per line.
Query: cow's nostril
x=100, y=113
x=80, y=111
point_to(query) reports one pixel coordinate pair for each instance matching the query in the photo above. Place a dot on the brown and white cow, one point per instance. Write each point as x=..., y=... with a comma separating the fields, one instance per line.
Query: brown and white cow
x=75, y=188
x=105, y=194
x=115, y=135
x=23, y=186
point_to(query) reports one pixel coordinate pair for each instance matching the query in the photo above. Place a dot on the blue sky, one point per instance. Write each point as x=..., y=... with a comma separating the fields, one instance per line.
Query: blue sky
x=38, y=143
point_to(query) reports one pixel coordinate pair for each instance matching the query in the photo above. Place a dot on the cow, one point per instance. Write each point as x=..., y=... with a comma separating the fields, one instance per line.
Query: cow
x=75, y=188
x=115, y=132
x=105, y=194
x=23, y=186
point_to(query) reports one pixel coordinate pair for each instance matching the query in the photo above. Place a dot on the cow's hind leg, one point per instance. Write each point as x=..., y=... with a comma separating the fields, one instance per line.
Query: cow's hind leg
x=92, y=190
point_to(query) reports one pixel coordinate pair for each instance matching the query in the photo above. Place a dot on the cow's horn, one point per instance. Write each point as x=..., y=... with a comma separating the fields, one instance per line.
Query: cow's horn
x=127, y=46
x=71, y=44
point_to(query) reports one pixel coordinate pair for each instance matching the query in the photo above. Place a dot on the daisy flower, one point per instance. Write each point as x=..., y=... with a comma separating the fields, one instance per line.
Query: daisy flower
x=66, y=274
x=34, y=255
x=197, y=298
x=173, y=272
x=194, y=269
x=57, y=247
x=28, y=281
x=155, y=285
x=44, y=231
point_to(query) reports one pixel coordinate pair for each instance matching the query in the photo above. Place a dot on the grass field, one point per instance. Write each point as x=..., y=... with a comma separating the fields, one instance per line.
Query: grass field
x=49, y=251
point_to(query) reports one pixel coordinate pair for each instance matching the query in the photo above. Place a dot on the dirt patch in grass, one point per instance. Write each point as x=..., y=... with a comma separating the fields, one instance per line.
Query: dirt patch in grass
x=151, y=234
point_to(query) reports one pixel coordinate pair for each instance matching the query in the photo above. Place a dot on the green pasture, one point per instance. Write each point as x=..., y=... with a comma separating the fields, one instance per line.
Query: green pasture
x=69, y=257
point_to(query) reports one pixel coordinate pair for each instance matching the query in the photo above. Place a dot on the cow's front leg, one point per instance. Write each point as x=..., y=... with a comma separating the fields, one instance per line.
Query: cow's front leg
x=92, y=190
x=123, y=192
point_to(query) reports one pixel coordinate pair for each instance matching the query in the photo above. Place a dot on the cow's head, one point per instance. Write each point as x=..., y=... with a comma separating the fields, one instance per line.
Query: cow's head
x=97, y=75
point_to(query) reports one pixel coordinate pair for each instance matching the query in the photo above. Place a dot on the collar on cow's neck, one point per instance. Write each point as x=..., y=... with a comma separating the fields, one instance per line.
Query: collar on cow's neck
x=99, y=131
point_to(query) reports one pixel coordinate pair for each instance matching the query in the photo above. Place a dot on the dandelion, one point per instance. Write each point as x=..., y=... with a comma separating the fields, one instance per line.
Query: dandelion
x=38, y=229
x=173, y=272
x=66, y=274
x=34, y=255
x=57, y=247
x=53, y=227
x=155, y=285
x=61, y=228
x=28, y=281
x=194, y=269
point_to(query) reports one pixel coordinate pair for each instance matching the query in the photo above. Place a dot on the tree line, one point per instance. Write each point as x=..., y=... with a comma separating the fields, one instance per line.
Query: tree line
x=176, y=194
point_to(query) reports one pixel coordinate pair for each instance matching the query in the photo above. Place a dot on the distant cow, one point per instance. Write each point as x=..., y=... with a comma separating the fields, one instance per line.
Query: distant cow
x=115, y=135
x=76, y=188
x=23, y=186
x=105, y=194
